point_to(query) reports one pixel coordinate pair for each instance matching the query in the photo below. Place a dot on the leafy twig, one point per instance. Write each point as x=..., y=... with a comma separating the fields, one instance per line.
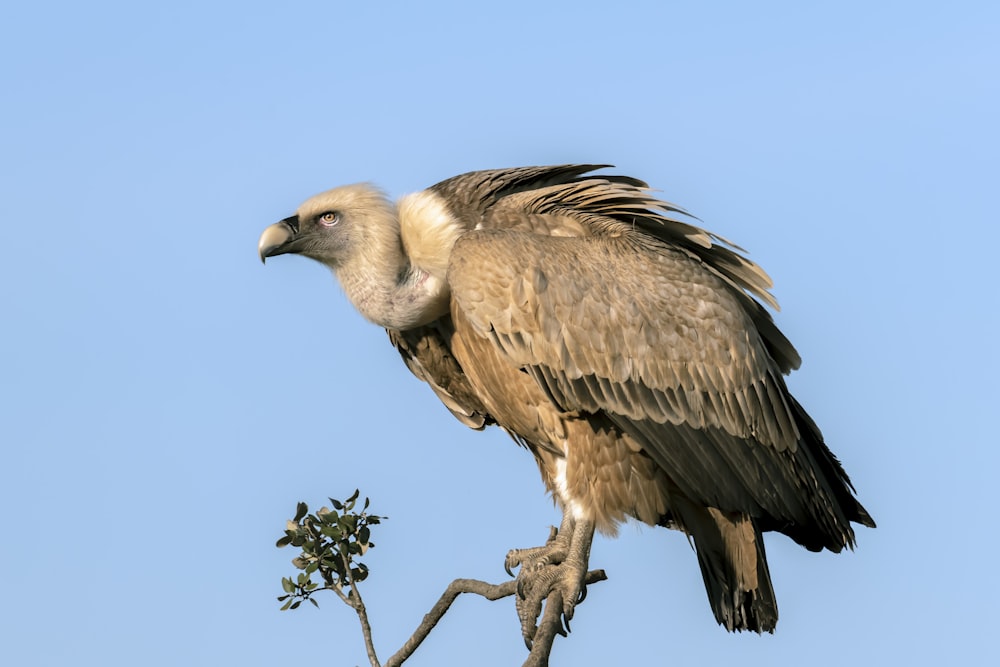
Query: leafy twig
x=330, y=540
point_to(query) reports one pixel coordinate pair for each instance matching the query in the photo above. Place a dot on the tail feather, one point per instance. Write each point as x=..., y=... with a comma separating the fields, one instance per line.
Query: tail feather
x=733, y=564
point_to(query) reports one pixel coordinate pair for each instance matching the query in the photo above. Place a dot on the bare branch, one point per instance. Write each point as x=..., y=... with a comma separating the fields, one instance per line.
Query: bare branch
x=550, y=626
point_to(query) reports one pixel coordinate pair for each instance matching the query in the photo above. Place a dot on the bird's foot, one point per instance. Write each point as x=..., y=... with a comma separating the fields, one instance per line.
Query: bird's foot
x=558, y=566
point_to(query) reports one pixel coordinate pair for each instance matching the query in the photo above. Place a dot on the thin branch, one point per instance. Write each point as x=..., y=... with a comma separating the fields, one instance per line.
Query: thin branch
x=359, y=606
x=550, y=626
x=340, y=594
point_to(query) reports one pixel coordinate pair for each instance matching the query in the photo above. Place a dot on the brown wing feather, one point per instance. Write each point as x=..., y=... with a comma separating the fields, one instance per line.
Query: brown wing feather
x=611, y=324
x=502, y=198
x=644, y=333
x=427, y=354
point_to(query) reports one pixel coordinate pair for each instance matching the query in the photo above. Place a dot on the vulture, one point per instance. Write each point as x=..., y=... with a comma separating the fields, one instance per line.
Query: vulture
x=628, y=349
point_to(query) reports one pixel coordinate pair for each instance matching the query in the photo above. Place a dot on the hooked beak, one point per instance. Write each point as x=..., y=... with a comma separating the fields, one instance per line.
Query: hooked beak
x=275, y=239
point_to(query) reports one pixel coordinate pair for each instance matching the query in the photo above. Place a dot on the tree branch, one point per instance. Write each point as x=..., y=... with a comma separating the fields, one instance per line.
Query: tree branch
x=340, y=594
x=329, y=540
x=359, y=606
x=550, y=626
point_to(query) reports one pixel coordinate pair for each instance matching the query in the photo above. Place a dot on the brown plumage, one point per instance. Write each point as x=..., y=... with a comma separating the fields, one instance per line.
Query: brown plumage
x=623, y=346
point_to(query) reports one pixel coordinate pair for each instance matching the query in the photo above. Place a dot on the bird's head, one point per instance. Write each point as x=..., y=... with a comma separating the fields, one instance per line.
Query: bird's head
x=331, y=227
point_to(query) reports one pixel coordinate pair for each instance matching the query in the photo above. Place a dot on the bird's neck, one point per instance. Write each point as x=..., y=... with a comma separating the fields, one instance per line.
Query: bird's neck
x=399, y=281
x=390, y=292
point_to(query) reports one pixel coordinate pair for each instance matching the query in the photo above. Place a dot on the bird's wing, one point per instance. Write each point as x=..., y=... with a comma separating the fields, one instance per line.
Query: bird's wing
x=559, y=200
x=426, y=354
x=610, y=324
x=645, y=333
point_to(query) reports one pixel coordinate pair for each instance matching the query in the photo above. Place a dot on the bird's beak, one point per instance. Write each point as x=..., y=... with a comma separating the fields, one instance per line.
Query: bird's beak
x=275, y=239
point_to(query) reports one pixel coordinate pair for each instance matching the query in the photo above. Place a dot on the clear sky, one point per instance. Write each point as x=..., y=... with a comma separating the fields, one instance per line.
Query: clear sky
x=165, y=400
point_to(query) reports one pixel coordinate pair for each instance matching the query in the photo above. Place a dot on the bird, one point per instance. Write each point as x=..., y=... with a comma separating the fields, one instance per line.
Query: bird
x=629, y=350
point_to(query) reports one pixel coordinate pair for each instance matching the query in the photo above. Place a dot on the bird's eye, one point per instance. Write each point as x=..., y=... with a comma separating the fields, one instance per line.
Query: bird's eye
x=329, y=219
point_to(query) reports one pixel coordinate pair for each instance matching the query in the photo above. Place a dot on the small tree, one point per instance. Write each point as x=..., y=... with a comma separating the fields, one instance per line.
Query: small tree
x=332, y=540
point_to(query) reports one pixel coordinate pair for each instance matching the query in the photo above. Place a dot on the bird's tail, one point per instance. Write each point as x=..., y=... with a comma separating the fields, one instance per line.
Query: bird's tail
x=733, y=564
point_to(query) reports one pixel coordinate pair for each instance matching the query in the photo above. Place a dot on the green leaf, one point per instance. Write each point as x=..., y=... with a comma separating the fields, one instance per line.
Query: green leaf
x=283, y=542
x=300, y=511
x=315, y=604
x=295, y=605
x=337, y=504
x=363, y=534
x=349, y=523
x=287, y=585
x=287, y=605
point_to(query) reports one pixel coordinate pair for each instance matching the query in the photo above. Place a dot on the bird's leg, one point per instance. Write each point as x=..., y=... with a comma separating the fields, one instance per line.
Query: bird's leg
x=559, y=565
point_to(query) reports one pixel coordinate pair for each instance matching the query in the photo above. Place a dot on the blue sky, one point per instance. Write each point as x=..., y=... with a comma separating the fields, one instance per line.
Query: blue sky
x=166, y=400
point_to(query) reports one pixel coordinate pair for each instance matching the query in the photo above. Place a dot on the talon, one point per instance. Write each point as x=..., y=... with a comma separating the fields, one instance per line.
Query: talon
x=553, y=573
x=568, y=610
x=511, y=561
